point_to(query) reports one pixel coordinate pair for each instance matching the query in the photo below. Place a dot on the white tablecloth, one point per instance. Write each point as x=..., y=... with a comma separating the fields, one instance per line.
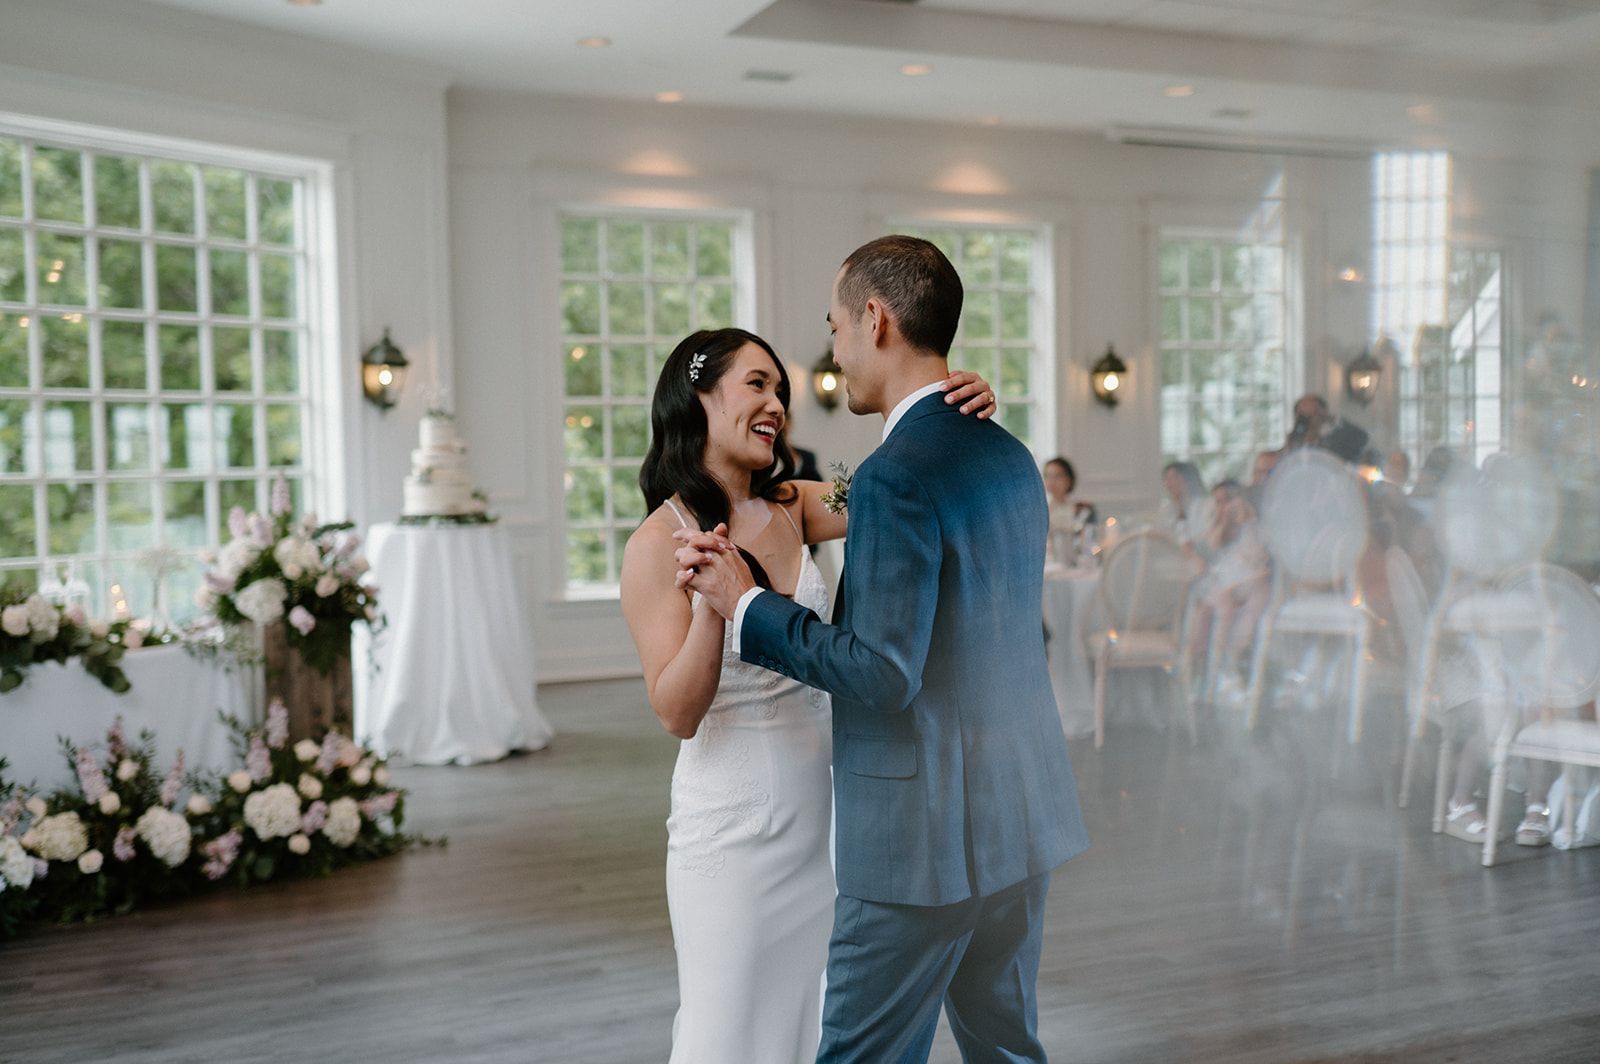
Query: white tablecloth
x=175, y=694
x=1071, y=612
x=454, y=673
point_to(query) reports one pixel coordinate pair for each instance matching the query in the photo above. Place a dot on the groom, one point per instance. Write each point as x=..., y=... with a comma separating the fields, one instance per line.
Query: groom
x=954, y=797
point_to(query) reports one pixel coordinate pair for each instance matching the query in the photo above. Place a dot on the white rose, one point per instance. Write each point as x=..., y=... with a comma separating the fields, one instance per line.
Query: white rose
x=293, y=571
x=200, y=805
x=128, y=769
x=299, y=844
x=380, y=776
x=133, y=638
x=16, y=867
x=99, y=629
x=306, y=750
x=274, y=812
x=344, y=822
x=167, y=835
x=310, y=787
x=90, y=862
x=236, y=557
x=14, y=620
x=298, y=554
x=263, y=600
x=327, y=584
x=240, y=781
x=109, y=803
x=75, y=613
x=361, y=775
x=36, y=807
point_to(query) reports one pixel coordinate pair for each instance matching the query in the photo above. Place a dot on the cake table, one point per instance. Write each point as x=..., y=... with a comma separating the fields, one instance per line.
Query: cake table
x=451, y=679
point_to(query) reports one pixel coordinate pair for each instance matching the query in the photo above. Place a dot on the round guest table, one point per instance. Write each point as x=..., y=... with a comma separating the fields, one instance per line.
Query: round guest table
x=176, y=694
x=451, y=680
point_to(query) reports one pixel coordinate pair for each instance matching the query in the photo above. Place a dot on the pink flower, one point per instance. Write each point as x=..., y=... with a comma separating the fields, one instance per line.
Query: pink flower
x=174, y=782
x=348, y=545
x=122, y=849
x=75, y=613
x=10, y=815
x=220, y=583
x=382, y=805
x=315, y=816
x=238, y=523
x=90, y=778
x=281, y=503
x=116, y=739
x=330, y=753
x=261, y=531
x=220, y=853
x=302, y=620
x=258, y=761
x=277, y=724
x=133, y=638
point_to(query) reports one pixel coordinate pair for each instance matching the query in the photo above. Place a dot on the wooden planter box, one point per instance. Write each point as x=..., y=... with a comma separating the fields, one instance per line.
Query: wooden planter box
x=316, y=702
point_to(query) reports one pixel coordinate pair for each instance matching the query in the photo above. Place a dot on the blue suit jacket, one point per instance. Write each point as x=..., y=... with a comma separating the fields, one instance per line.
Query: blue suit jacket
x=951, y=776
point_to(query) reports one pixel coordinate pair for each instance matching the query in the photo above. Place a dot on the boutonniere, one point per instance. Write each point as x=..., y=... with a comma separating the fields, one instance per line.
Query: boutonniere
x=837, y=499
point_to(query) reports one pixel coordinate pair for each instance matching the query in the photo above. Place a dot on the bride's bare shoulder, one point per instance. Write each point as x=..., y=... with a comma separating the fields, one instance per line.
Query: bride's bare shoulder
x=652, y=541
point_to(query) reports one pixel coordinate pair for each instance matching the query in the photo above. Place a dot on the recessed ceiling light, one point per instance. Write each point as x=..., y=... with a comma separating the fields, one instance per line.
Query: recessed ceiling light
x=670, y=96
x=1179, y=91
x=916, y=70
x=594, y=42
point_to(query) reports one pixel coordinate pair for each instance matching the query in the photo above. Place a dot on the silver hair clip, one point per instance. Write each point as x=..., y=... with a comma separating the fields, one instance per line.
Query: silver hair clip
x=694, y=366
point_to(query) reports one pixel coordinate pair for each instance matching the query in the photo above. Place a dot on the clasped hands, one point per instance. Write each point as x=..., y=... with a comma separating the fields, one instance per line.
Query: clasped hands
x=709, y=563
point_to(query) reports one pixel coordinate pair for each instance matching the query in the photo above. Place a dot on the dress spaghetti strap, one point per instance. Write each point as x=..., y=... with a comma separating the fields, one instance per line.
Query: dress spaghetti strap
x=678, y=513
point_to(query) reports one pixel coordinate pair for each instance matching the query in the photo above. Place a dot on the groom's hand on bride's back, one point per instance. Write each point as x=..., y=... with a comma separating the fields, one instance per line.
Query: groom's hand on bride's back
x=709, y=563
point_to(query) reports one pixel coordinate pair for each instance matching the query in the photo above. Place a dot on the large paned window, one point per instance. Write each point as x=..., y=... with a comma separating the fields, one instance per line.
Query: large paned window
x=153, y=339
x=1225, y=344
x=632, y=287
x=1439, y=303
x=1003, y=320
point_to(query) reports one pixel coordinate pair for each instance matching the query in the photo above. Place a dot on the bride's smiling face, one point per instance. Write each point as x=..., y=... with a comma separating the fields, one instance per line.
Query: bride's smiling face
x=743, y=412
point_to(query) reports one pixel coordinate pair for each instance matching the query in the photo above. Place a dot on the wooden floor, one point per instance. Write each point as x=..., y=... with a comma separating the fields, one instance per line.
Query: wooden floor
x=1240, y=904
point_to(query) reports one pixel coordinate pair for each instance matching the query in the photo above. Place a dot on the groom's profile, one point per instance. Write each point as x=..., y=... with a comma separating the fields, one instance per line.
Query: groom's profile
x=954, y=797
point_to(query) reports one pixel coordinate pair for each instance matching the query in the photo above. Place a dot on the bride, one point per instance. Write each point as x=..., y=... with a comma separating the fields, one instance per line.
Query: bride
x=749, y=883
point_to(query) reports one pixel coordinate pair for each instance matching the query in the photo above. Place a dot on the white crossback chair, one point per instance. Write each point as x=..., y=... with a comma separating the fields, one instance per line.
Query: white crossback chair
x=1143, y=587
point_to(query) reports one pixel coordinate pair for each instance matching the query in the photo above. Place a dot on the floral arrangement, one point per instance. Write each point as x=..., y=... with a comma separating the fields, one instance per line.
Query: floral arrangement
x=837, y=498
x=34, y=630
x=126, y=834
x=276, y=568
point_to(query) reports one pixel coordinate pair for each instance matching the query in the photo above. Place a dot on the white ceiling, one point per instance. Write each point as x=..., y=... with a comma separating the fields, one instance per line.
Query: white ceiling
x=1349, y=68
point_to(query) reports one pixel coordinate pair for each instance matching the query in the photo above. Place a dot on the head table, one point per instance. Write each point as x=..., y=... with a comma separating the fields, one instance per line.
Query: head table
x=176, y=694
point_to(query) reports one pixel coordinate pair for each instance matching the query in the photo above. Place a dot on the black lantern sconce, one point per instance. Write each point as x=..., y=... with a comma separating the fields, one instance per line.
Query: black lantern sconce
x=1109, y=378
x=827, y=380
x=383, y=373
x=1361, y=377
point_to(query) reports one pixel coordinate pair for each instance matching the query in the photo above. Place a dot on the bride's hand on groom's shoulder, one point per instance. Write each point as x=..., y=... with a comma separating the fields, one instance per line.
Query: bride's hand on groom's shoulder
x=971, y=391
x=709, y=563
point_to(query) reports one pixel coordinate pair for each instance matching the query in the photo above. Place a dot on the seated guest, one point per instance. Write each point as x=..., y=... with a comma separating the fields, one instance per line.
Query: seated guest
x=1233, y=594
x=1188, y=509
x=1397, y=470
x=1316, y=426
x=1067, y=515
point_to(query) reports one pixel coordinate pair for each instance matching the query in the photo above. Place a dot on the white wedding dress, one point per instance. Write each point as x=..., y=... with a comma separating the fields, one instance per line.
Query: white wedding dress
x=749, y=882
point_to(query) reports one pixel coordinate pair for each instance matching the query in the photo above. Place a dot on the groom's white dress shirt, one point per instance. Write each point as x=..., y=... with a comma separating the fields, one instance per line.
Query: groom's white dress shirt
x=888, y=426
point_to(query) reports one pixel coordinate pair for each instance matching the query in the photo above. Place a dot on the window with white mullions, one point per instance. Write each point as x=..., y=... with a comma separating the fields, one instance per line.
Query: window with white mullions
x=1225, y=343
x=154, y=331
x=633, y=285
x=1002, y=273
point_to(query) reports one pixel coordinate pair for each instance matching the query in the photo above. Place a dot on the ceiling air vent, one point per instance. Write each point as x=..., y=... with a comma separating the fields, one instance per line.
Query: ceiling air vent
x=1229, y=140
x=777, y=77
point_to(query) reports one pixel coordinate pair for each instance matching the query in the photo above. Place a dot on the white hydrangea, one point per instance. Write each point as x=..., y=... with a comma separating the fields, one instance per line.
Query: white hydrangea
x=263, y=600
x=297, y=555
x=43, y=618
x=14, y=620
x=273, y=813
x=16, y=867
x=236, y=557
x=344, y=822
x=58, y=838
x=166, y=833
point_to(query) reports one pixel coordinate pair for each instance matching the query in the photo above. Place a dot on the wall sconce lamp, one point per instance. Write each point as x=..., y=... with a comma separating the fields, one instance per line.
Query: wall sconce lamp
x=383, y=372
x=1361, y=377
x=827, y=380
x=1109, y=378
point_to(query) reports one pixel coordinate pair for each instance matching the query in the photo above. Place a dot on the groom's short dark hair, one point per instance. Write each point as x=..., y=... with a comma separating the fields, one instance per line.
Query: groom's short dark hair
x=915, y=282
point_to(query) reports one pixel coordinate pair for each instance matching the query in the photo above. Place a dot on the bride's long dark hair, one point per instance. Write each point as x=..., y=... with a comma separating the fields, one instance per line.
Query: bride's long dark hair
x=675, y=464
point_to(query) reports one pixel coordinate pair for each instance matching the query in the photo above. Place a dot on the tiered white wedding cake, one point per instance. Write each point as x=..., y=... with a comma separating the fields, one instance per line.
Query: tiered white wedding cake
x=439, y=484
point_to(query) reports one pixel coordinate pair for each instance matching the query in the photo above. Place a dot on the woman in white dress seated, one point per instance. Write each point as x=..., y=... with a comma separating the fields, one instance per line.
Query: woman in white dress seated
x=1187, y=507
x=1232, y=595
x=750, y=887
